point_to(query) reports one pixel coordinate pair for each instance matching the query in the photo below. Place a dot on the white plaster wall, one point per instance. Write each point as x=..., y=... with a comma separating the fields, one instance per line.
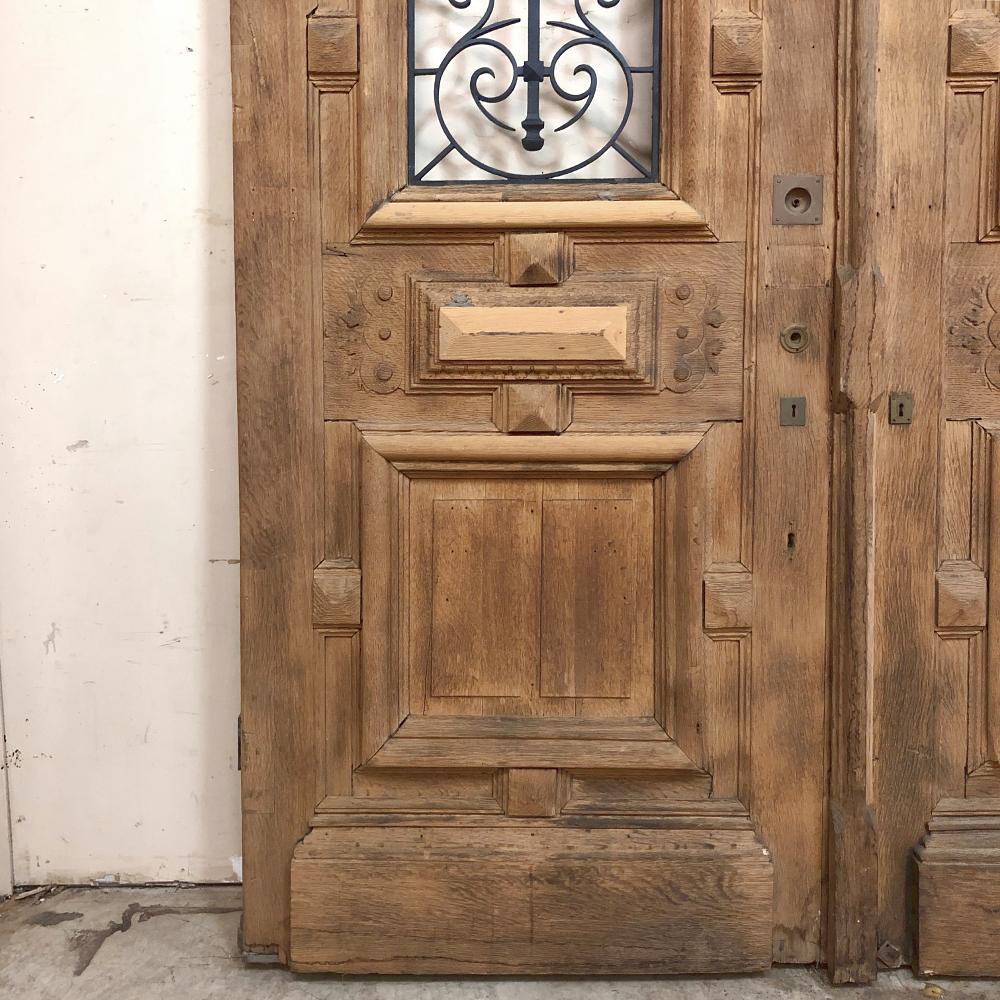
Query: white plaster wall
x=118, y=484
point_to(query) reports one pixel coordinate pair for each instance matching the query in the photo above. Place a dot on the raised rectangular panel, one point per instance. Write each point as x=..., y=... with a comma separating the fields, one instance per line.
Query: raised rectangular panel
x=485, y=604
x=529, y=597
x=590, y=592
x=555, y=334
x=481, y=331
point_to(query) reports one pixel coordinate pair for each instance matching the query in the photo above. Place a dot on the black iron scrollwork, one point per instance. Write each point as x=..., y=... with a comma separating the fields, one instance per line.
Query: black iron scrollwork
x=493, y=95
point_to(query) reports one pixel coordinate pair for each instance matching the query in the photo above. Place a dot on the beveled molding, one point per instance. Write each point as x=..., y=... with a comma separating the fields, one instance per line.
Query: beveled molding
x=968, y=588
x=399, y=213
x=477, y=332
x=676, y=732
x=398, y=735
x=721, y=54
x=974, y=68
x=411, y=450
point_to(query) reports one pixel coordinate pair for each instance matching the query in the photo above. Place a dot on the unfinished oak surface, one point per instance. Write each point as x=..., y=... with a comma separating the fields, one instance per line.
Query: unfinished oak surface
x=536, y=584
x=527, y=904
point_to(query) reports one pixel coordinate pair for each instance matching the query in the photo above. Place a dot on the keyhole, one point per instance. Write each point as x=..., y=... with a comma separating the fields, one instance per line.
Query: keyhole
x=795, y=410
x=798, y=201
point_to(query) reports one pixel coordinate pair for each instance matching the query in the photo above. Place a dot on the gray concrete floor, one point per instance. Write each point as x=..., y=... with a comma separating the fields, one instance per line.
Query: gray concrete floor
x=161, y=944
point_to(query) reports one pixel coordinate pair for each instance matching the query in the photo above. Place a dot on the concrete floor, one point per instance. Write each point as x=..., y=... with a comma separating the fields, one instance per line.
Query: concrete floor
x=162, y=944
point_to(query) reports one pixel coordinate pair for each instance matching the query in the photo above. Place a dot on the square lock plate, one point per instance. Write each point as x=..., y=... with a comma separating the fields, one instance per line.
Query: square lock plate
x=792, y=412
x=797, y=200
x=901, y=408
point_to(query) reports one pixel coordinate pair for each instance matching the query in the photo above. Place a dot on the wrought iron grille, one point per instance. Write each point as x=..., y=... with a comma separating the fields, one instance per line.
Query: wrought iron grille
x=534, y=90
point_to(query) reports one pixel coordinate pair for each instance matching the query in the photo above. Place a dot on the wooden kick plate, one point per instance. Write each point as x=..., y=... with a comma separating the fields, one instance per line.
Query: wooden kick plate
x=549, y=900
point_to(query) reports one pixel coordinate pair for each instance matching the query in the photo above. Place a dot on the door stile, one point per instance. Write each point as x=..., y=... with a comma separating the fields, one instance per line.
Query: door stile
x=276, y=341
x=852, y=896
x=895, y=712
x=919, y=701
x=791, y=491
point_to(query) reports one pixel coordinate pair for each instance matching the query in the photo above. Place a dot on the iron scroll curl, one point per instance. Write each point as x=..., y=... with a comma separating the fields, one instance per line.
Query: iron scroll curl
x=584, y=63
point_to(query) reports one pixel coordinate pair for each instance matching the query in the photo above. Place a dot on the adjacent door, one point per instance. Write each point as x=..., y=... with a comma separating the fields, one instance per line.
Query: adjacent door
x=536, y=309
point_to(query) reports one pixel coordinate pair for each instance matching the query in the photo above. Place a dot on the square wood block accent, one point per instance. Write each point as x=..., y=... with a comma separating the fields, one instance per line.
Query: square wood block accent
x=533, y=408
x=974, y=43
x=961, y=596
x=537, y=258
x=532, y=792
x=737, y=45
x=728, y=602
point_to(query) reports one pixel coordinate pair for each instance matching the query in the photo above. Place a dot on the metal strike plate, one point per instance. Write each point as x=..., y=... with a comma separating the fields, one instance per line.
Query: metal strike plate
x=792, y=412
x=797, y=200
x=901, y=408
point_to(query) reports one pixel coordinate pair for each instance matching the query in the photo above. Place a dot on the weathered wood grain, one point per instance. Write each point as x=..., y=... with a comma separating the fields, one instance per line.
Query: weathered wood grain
x=336, y=597
x=333, y=45
x=974, y=42
x=532, y=792
x=915, y=707
x=737, y=45
x=791, y=476
x=278, y=433
x=531, y=905
x=533, y=333
x=537, y=258
x=487, y=752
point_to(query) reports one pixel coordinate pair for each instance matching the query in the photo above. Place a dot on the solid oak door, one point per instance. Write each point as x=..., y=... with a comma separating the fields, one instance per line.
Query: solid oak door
x=534, y=310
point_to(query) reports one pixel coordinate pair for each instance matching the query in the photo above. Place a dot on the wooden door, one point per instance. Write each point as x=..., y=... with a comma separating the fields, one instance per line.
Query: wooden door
x=535, y=441
x=953, y=786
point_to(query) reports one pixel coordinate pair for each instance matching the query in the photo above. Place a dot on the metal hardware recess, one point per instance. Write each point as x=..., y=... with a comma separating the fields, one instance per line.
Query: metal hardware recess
x=797, y=200
x=261, y=957
x=792, y=411
x=239, y=742
x=795, y=338
x=901, y=408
